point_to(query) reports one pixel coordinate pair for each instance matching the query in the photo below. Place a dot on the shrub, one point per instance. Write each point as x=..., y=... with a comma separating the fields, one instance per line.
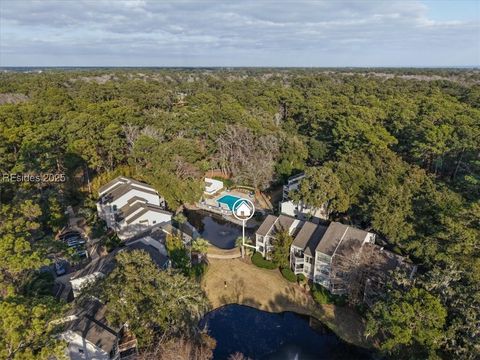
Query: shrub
x=289, y=275
x=323, y=296
x=339, y=300
x=259, y=216
x=396, y=249
x=301, y=278
x=99, y=229
x=39, y=284
x=228, y=183
x=198, y=270
x=112, y=242
x=259, y=261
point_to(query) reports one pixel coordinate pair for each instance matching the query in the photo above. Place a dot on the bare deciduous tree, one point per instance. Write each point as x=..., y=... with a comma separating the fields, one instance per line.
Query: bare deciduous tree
x=132, y=133
x=362, y=272
x=181, y=348
x=238, y=356
x=185, y=170
x=247, y=157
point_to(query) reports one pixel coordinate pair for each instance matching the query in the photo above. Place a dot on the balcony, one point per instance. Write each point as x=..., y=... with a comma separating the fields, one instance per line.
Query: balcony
x=324, y=281
x=297, y=268
x=260, y=239
x=298, y=260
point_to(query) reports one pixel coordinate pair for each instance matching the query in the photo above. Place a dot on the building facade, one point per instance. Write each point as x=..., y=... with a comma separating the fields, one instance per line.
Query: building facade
x=314, y=246
x=130, y=207
x=265, y=234
x=300, y=210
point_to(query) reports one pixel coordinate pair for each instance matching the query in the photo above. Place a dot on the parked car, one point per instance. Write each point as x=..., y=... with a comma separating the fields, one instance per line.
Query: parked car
x=82, y=253
x=67, y=234
x=75, y=242
x=60, y=268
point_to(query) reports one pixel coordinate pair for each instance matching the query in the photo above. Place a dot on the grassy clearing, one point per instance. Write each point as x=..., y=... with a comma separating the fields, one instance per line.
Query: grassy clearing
x=234, y=281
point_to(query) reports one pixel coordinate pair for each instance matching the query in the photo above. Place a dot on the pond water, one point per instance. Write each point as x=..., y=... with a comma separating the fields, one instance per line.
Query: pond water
x=268, y=336
x=214, y=228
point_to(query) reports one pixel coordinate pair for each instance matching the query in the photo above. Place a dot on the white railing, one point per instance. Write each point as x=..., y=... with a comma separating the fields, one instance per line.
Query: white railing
x=298, y=260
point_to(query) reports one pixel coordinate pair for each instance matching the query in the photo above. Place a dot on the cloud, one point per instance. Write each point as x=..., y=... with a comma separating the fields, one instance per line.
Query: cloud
x=233, y=33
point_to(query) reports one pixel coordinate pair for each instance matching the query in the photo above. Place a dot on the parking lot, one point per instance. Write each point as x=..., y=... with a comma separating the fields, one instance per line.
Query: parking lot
x=77, y=245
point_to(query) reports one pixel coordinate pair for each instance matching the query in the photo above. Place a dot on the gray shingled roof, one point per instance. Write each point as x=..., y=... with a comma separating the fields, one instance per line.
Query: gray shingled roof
x=387, y=261
x=304, y=235
x=337, y=233
x=267, y=224
x=128, y=209
x=122, y=180
x=92, y=325
x=315, y=239
x=331, y=238
x=158, y=258
x=283, y=223
x=118, y=180
x=146, y=208
x=309, y=236
x=103, y=264
x=352, y=242
x=119, y=191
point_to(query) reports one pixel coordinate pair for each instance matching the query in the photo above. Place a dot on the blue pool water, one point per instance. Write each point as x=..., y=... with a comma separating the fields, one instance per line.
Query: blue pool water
x=229, y=200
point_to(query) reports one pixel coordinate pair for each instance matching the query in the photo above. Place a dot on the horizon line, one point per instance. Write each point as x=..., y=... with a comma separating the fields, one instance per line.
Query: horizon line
x=244, y=67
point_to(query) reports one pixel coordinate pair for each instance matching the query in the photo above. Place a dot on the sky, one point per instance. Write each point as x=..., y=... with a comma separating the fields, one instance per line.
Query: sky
x=240, y=33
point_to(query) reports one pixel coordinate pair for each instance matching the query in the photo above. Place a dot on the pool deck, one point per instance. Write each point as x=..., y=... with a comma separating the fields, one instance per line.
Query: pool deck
x=211, y=204
x=250, y=224
x=213, y=201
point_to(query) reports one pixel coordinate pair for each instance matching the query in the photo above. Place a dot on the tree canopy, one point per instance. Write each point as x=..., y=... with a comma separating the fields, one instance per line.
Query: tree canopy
x=396, y=155
x=150, y=300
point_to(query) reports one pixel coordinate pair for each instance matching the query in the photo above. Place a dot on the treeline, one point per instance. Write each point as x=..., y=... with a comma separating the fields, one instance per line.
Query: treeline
x=400, y=157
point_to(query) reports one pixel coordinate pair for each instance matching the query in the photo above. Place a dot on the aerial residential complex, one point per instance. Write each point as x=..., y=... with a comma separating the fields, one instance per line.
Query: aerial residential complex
x=299, y=210
x=87, y=332
x=130, y=207
x=323, y=253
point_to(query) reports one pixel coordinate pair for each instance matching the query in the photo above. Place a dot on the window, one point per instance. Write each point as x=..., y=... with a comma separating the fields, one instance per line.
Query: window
x=154, y=221
x=114, y=207
x=80, y=351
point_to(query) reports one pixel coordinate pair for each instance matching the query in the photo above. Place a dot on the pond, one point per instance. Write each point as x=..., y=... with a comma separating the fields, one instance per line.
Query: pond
x=214, y=228
x=270, y=336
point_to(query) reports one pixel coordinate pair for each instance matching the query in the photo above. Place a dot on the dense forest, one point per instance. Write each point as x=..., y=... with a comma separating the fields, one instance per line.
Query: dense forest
x=396, y=152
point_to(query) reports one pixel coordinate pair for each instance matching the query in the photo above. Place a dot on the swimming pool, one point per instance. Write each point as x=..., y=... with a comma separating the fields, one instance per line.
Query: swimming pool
x=228, y=200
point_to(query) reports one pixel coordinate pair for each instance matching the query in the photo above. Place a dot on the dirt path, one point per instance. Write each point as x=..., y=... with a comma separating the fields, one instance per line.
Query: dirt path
x=267, y=290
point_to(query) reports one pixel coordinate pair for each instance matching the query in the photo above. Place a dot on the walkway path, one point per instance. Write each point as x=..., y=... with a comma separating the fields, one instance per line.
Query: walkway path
x=216, y=253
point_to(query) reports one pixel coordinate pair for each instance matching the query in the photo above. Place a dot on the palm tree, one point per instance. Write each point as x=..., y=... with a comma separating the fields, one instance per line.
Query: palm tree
x=200, y=246
x=180, y=218
x=239, y=244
